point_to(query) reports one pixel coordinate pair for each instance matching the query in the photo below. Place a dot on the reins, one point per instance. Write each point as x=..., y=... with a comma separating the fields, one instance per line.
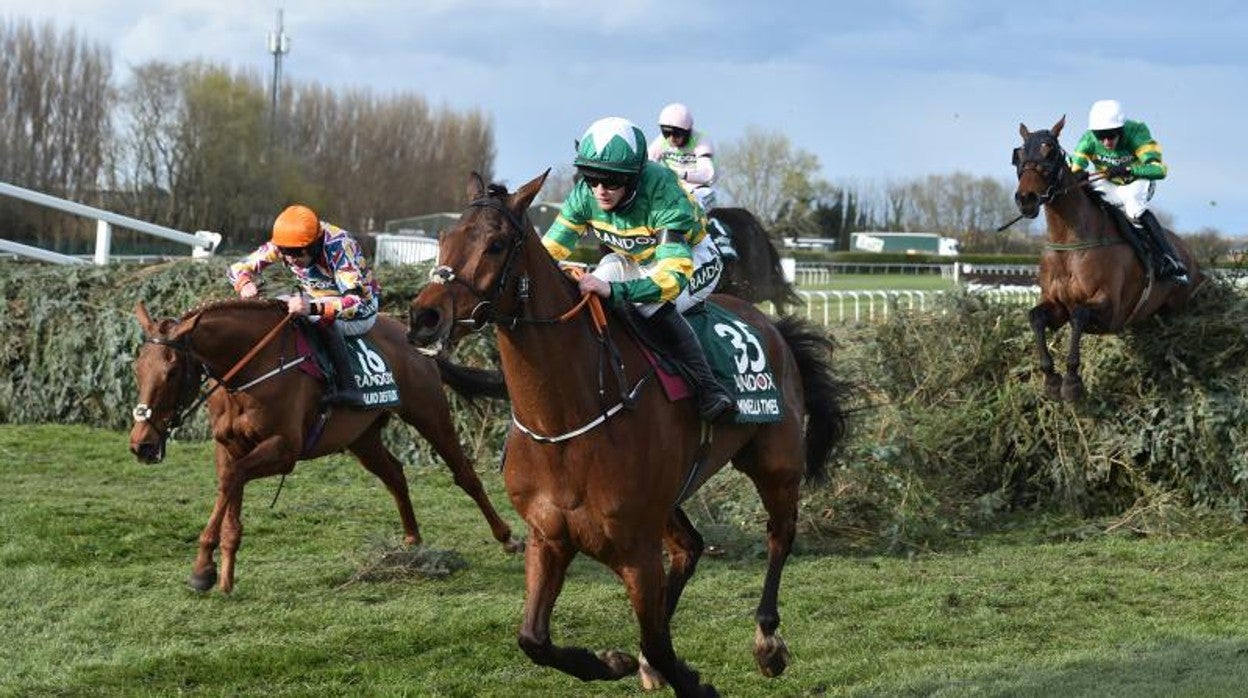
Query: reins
x=143, y=412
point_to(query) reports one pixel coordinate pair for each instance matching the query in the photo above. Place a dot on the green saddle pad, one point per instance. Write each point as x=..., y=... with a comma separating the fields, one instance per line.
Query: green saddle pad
x=372, y=374
x=739, y=360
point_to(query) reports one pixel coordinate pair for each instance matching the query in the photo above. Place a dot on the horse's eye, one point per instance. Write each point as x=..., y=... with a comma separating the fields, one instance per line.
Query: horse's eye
x=494, y=247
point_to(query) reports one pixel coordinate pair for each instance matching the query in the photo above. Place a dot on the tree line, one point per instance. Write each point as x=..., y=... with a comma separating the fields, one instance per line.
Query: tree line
x=197, y=146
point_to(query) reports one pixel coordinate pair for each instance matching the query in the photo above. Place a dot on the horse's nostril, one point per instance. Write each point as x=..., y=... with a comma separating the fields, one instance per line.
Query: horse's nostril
x=426, y=319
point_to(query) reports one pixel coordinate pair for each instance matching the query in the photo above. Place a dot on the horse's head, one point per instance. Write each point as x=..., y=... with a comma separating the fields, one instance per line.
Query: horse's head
x=168, y=377
x=480, y=271
x=1041, y=164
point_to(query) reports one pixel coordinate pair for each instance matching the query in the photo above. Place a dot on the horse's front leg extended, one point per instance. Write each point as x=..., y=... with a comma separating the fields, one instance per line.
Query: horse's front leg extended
x=643, y=576
x=1042, y=317
x=1072, y=384
x=545, y=567
x=270, y=457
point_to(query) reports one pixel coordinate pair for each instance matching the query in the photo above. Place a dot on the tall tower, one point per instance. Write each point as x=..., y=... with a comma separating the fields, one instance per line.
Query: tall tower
x=279, y=45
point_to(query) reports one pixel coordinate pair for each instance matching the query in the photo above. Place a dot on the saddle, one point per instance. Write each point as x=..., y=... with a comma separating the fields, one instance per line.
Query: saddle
x=754, y=389
x=1132, y=235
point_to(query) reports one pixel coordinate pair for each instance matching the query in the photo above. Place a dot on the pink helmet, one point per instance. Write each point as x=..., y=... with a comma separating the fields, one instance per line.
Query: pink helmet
x=676, y=115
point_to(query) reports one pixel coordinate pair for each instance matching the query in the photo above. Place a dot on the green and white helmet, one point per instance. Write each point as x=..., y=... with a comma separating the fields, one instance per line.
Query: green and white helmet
x=613, y=144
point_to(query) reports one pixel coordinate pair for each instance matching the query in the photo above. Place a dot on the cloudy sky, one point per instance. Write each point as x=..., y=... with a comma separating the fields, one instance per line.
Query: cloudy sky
x=879, y=90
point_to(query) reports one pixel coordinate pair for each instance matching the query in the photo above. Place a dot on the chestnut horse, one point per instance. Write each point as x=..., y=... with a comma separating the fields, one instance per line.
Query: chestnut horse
x=608, y=480
x=755, y=275
x=268, y=419
x=1089, y=275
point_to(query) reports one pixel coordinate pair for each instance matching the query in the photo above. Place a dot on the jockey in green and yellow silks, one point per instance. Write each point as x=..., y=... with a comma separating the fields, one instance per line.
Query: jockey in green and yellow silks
x=661, y=259
x=1130, y=160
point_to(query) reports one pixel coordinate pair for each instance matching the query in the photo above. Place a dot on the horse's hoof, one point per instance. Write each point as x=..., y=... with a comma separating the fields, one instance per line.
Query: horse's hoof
x=202, y=582
x=651, y=680
x=514, y=545
x=1072, y=390
x=771, y=654
x=619, y=664
x=1053, y=386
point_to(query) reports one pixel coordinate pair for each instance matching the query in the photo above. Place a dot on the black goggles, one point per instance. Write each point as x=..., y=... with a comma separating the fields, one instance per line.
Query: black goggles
x=1107, y=133
x=611, y=182
x=296, y=251
x=673, y=132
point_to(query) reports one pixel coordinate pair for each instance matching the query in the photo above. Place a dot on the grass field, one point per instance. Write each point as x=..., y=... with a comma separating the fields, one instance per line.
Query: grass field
x=96, y=550
x=883, y=282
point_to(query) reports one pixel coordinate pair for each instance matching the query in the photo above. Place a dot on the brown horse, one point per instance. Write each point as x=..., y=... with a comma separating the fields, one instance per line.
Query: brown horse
x=1090, y=275
x=608, y=480
x=265, y=420
x=755, y=275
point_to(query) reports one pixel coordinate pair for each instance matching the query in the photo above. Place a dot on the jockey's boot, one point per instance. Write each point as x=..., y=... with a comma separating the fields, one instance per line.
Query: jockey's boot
x=343, y=390
x=1169, y=265
x=723, y=240
x=714, y=402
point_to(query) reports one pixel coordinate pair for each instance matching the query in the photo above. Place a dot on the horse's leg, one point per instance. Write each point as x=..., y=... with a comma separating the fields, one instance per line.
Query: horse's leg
x=432, y=418
x=684, y=547
x=643, y=577
x=1072, y=384
x=270, y=457
x=779, y=491
x=1042, y=318
x=379, y=461
x=545, y=568
x=204, y=571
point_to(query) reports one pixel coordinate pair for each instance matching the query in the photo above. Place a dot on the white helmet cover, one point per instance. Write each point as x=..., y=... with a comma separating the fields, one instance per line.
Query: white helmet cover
x=1105, y=114
x=676, y=115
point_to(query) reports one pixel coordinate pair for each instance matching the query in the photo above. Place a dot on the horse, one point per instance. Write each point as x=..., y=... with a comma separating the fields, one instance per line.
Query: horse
x=756, y=274
x=1090, y=275
x=266, y=419
x=608, y=480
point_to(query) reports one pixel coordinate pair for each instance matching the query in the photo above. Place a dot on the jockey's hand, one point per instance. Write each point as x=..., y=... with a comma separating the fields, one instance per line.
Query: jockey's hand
x=592, y=284
x=298, y=305
x=248, y=290
x=1118, y=172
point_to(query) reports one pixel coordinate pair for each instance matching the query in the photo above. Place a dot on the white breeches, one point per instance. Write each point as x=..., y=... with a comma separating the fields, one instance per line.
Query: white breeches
x=1132, y=198
x=707, y=268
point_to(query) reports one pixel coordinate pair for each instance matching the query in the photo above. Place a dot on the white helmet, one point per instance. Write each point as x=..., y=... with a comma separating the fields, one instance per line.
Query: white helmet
x=676, y=115
x=1105, y=114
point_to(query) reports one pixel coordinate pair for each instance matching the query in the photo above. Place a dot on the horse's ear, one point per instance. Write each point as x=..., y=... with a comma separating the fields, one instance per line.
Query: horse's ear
x=1057, y=128
x=476, y=187
x=145, y=320
x=524, y=195
x=1022, y=130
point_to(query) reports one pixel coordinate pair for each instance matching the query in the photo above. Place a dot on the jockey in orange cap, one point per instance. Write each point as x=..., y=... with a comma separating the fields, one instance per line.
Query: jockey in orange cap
x=342, y=297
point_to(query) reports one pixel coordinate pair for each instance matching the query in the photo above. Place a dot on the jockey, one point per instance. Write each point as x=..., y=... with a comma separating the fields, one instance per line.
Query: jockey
x=690, y=154
x=662, y=259
x=1130, y=159
x=341, y=295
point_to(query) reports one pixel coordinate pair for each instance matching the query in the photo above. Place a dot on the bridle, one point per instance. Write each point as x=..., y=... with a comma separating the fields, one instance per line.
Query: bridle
x=195, y=374
x=485, y=311
x=1056, y=161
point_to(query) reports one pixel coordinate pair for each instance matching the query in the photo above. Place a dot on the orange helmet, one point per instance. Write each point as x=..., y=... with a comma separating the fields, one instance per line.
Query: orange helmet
x=297, y=226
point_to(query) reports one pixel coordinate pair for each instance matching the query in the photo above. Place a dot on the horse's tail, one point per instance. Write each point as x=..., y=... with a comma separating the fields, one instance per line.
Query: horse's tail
x=472, y=382
x=823, y=394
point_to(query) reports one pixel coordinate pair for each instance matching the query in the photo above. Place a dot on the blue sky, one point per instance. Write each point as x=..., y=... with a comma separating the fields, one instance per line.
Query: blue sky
x=879, y=91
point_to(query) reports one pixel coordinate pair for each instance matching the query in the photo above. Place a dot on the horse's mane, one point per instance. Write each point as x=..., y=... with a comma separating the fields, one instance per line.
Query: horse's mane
x=234, y=304
x=497, y=190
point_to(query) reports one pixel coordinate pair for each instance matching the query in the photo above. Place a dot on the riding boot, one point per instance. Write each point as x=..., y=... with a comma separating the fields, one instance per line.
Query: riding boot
x=343, y=390
x=722, y=239
x=714, y=401
x=1170, y=266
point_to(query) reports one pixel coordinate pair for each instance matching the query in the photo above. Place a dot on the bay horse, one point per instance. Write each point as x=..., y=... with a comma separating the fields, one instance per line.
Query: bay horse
x=1090, y=275
x=608, y=481
x=755, y=275
x=268, y=418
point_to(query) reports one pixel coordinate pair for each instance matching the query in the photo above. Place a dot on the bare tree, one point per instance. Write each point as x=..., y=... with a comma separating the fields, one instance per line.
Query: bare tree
x=55, y=101
x=764, y=173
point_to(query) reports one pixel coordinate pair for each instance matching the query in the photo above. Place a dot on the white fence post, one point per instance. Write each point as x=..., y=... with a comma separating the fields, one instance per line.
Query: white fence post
x=103, y=241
